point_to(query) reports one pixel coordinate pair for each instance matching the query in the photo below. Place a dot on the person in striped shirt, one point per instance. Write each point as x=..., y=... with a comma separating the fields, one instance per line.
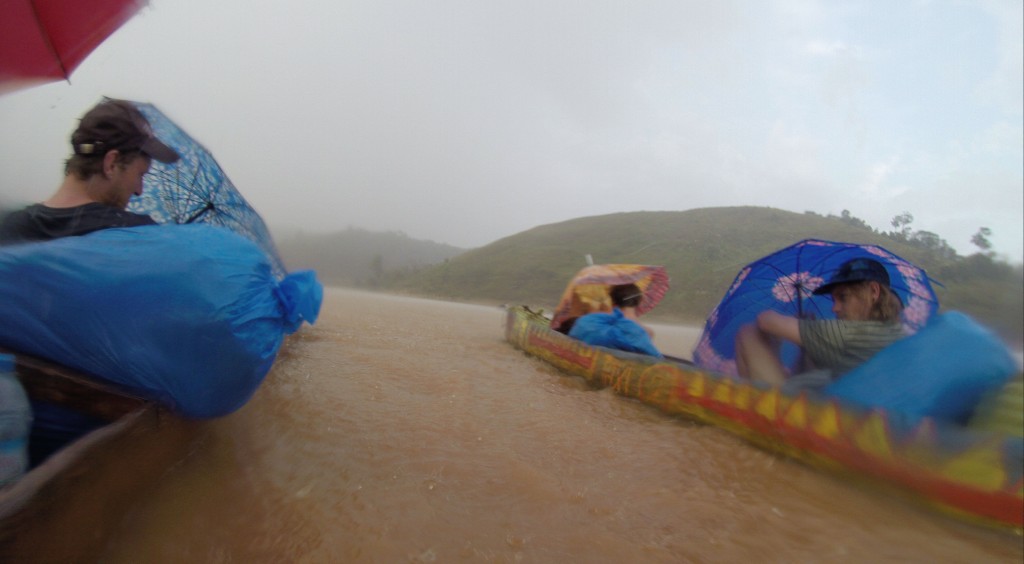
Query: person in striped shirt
x=867, y=320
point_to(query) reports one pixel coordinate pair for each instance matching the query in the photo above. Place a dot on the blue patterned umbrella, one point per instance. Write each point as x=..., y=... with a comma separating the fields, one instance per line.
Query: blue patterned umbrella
x=784, y=281
x=196, y=190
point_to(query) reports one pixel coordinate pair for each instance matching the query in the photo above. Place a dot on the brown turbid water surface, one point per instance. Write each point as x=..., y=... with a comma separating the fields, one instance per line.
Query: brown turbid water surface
x=407, y=430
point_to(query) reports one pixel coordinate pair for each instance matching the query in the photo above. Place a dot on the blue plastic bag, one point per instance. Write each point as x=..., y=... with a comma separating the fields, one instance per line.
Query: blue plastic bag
x=614, y=331
x=941, y=371
x=189, y=315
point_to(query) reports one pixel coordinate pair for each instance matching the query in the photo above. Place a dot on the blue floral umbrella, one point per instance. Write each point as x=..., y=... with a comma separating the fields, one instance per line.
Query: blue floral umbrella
x=784, y=281
x=196, y=190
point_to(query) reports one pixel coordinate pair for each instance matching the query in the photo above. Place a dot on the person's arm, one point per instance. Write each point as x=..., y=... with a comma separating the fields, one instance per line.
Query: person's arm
x=778, y=325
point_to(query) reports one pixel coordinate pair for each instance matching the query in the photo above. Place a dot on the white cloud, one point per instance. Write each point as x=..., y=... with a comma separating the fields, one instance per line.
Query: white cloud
x=1005, y=86
x=828, y=48
x=877, y=185
x=1002, y=140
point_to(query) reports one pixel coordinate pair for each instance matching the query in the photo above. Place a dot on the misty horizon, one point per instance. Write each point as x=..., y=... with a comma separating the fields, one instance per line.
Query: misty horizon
x=463, y=123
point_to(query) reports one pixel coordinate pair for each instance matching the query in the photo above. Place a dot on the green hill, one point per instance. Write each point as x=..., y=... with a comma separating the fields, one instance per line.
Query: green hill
x=702, y=250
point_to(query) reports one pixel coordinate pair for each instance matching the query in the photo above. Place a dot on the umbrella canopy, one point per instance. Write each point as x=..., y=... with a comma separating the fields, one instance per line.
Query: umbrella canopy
x=784, y=281
x=196, y=190
x=588, y=290
x=43, y=40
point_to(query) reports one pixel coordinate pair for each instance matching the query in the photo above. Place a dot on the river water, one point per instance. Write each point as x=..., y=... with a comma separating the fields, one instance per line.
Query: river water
x=406, y=430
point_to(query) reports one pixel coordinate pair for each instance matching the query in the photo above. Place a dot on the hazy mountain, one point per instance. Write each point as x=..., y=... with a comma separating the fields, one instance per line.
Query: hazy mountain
x=703, y=250
x=357, y=257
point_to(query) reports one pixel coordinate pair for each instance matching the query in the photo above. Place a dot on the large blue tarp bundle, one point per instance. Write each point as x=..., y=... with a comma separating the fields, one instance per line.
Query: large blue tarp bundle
x=942, y=371
x=189, y=315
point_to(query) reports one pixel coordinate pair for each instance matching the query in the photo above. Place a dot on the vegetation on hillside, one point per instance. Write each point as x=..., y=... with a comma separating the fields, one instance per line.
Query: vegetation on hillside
x=703, y=250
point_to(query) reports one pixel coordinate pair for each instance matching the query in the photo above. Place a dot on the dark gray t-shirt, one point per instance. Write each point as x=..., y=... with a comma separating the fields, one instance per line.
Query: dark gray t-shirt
x=40, y=223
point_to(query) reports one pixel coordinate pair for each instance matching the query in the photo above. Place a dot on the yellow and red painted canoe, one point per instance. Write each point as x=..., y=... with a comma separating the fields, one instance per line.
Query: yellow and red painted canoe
x=971, y=473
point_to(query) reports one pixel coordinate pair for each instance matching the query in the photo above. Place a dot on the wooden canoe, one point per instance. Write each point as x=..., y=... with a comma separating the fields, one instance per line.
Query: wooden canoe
x=65, y=508
x=971, y=473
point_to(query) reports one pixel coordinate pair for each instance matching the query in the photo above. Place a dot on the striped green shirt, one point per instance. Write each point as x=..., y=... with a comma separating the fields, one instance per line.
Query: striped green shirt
x=841, y=346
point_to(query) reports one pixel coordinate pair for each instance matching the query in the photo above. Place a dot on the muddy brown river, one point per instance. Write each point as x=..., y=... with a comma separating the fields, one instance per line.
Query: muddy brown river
x=406, y=430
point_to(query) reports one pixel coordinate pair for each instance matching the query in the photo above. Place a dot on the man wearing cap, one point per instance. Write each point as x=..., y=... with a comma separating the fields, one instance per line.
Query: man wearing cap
x=867, y=320
x=112, y=150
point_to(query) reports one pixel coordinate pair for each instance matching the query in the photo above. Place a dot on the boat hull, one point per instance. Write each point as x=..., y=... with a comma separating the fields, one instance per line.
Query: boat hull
x=978, y=476
x=64, y=509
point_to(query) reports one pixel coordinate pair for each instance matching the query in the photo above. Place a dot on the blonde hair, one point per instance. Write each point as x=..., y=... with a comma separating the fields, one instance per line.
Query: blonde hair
x=887, y=308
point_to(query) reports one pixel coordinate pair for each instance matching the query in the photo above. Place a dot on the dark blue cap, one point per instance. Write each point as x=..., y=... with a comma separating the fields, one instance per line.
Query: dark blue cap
x=856, y=270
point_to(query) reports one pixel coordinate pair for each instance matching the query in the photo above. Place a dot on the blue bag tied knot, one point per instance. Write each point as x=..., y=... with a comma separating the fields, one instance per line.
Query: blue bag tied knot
x=301, y=295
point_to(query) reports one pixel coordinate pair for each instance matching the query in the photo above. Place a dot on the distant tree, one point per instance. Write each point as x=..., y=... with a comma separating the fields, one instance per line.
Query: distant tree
x=981, y=267
x=901, y=224
x=926, y=239
x=934, y=245
x=376, y=270
x=980, y=240
x=849, y=219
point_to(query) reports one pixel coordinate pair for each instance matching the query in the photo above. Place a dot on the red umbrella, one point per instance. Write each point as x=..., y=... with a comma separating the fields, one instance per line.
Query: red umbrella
x=44, y=40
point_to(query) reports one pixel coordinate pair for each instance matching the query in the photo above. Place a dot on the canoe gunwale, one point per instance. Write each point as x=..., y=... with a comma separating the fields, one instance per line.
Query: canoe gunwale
x=65, y=508
x=50, y=382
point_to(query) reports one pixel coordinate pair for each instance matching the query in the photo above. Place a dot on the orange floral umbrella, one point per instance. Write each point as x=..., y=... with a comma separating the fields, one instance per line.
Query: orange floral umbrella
x=588, y=290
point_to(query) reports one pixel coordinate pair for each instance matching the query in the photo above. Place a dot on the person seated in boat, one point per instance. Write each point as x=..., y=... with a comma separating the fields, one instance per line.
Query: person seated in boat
x=619, y=329
x=867, y=320
x=112, y=148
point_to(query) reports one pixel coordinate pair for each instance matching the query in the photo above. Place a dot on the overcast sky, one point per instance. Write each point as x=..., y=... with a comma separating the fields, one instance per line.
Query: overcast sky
x=467, y=121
